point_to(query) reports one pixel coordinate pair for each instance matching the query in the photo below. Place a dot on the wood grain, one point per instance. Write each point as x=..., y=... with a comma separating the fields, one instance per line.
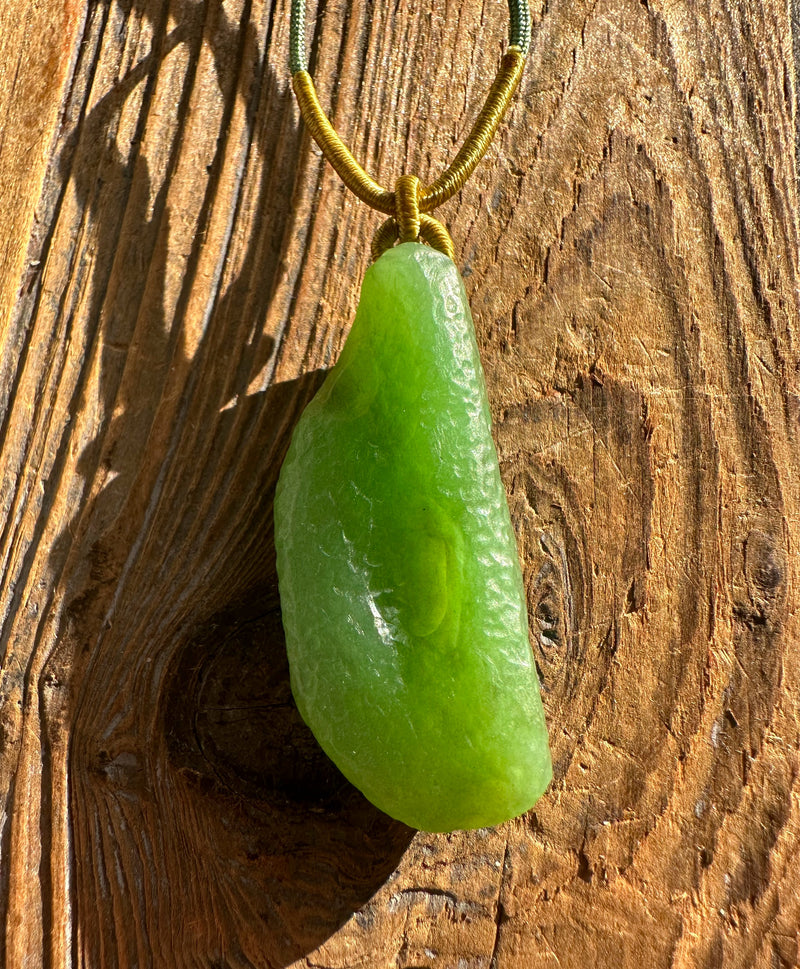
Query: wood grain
x=180, y=269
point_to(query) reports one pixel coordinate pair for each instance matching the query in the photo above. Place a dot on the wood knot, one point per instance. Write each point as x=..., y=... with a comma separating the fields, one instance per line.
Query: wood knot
x=552, y=613
x=765, y=576
x=764, y=563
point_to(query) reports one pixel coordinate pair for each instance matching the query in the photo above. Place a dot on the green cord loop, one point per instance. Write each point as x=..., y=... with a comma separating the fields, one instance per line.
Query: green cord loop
x=297, y=36
x=520, y=28
x=520, y=31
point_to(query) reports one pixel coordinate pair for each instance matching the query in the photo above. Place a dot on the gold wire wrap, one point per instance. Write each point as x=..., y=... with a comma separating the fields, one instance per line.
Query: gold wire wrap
x=430, y=230
x=385, y=237
x=436, y=235
x=337, y=153
x=408, y=224
x=410, y=201
x=406, y=204
x=479, y=139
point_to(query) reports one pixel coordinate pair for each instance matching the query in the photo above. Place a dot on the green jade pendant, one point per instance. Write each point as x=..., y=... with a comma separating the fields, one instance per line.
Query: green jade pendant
x=402, y=596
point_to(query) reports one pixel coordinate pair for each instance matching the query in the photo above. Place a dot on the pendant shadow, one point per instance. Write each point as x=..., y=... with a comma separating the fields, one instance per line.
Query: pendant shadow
x=310, y=847
x=316, y=849
x=186, y=749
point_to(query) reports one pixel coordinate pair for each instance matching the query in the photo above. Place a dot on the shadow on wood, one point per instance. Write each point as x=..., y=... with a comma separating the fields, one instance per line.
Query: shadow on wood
x=179, y=793
x=275, y=809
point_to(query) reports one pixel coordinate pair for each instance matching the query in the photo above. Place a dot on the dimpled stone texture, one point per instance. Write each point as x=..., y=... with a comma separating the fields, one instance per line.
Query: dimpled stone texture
x=401, y=591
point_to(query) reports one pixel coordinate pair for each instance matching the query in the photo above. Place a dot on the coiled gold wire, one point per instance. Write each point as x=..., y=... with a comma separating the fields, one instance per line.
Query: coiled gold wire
x=409, y=221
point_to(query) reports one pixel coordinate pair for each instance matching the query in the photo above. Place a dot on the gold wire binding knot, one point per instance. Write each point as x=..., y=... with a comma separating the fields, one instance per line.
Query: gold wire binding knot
x=425, y=198
x=408, y=224
x=430, y=230
x=406, y=207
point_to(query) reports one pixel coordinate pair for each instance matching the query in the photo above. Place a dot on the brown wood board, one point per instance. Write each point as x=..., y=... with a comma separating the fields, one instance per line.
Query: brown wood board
x=179, y=269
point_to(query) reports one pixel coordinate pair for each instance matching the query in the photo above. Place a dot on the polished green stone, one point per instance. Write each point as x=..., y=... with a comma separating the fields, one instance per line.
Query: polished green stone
x=401, y=590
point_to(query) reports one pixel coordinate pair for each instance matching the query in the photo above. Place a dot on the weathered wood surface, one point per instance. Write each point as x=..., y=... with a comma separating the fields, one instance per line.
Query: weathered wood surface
x=178, y=271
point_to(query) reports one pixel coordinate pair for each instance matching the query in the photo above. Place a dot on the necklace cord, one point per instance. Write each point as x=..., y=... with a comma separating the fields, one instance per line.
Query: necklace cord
x=519, y=31
x=409, y=204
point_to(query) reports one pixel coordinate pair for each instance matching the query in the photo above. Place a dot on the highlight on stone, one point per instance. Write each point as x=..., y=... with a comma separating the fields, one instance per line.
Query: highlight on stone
x=401, y=591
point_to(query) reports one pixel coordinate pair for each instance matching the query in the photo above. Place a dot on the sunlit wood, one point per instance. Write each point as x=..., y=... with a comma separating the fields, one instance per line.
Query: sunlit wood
x=179, y=269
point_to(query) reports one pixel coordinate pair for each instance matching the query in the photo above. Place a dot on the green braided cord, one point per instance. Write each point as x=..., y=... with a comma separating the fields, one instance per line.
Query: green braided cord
x=520, y=29
x=297, y=36
x=520, y=32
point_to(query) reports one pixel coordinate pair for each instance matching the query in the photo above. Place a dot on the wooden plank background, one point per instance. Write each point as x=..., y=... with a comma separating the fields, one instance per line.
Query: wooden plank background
x=178, y=269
